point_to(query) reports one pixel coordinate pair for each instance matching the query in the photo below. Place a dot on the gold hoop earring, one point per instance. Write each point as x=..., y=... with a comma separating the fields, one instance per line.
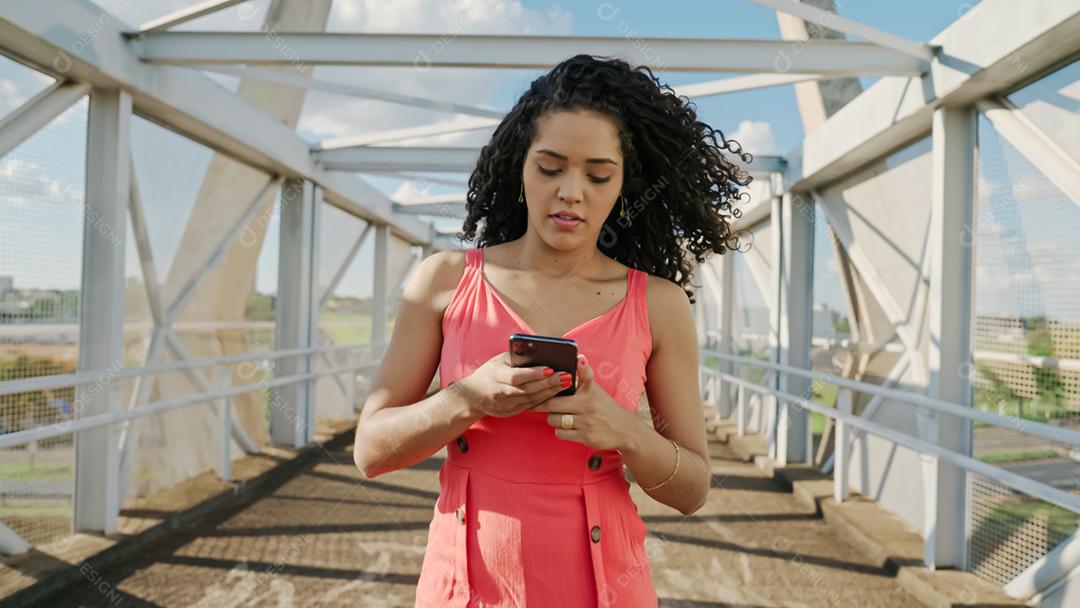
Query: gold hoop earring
x=521, y=197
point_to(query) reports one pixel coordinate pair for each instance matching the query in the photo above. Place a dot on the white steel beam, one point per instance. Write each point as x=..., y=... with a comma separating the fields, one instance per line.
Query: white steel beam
x=458, y=160
x=455, y=197
x=990, y=49
x=50, y=35
x=950, y=299
x=351, y=90
x=101, y=316
x=395, y=135
x=525, y=52
x=1056, y=164
x=742, y=83
x=407, y=158
x=447, y=209
x=379, y=285
x=186, y=14
x=850, y=27
x=771, y=405
x=796, y=305
x=37, y=112
x=146, y=253
x=297, y=316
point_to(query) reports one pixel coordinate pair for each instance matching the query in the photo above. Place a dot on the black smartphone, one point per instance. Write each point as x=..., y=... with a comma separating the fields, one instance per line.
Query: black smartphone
x=560, y=354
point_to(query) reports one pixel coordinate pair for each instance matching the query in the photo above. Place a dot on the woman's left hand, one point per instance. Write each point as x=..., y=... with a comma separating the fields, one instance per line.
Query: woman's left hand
x=599, y=421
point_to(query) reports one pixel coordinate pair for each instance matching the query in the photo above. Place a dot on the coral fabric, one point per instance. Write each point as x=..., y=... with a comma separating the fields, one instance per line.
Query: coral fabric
x=524, y=518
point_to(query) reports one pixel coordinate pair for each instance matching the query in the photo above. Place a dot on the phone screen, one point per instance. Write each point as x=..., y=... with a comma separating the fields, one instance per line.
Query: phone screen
x=560, y=354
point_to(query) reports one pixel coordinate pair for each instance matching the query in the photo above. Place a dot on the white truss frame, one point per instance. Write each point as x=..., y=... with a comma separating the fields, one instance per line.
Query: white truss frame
x=961, y=67
x=829, y=57
x=454, y=160
x=37, y=112
x=186, y=14
x=848, y=26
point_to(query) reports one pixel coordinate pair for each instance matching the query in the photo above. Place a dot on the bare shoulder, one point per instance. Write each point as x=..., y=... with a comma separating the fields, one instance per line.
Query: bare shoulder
x=437, y=277
x=663, y=294
x=666, y=300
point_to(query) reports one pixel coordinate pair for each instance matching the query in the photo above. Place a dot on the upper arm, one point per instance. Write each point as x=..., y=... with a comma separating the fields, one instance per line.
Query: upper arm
x=672, y=370
x=412, y=356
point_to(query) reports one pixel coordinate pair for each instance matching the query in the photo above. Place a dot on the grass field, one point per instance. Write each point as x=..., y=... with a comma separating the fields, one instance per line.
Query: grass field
x=351, y=328
x=1018, y=456
x=23, y=471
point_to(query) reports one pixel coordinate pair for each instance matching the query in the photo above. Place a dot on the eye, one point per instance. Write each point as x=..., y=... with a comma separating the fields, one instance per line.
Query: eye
x=600, y=180
x=546, y=171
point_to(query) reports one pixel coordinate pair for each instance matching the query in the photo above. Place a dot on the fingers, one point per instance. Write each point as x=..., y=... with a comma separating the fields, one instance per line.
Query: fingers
x=584, y=370
x=570, y=435
x=546, y=388
x=555, y=420
x=562, y=405
x=521, y=375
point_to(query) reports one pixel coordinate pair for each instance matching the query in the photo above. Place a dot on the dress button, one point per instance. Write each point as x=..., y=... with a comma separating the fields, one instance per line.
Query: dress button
x=596, y=534
x=462, y=445
x=594, y=462
x=461, y=515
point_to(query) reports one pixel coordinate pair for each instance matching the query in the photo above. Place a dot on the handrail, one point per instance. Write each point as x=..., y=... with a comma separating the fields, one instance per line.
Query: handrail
x=1069, y=365
x=11, y=543
x=1031, y=427
x=12, y=387
x=1024, y=484
x=81, y=424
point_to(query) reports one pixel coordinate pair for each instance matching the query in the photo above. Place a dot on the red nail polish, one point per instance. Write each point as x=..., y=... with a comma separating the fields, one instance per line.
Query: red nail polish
x=564, y=379
x=548, y=371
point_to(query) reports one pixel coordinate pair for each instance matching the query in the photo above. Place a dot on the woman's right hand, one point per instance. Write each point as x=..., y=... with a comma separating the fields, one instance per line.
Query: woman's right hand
x=498, y=389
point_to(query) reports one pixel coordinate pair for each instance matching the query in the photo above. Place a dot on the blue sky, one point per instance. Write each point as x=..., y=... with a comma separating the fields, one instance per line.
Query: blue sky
x=40, y=242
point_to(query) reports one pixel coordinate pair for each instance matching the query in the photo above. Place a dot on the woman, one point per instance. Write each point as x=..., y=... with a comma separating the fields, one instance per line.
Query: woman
x=595, y=191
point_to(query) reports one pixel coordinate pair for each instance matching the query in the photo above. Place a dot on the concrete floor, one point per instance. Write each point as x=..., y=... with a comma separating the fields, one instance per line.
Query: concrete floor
x=324, y=539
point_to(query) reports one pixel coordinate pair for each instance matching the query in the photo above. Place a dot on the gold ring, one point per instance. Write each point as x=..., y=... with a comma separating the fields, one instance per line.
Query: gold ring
x=567, y=421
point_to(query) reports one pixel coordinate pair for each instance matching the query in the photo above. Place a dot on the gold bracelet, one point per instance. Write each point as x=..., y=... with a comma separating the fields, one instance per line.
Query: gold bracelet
x=672, y=476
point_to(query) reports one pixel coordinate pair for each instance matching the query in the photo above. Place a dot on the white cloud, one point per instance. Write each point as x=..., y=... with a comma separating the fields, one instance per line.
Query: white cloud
x=9, y=93
x=336, y=116
x=755, y=137
x=28, y=182
x=408, y=190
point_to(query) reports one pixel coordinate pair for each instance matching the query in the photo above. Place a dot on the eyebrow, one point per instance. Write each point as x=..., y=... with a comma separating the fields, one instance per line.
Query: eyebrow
x=587, y=160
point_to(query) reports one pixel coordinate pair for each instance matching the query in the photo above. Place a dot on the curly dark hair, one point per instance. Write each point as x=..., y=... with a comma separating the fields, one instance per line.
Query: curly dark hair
x=683, y=190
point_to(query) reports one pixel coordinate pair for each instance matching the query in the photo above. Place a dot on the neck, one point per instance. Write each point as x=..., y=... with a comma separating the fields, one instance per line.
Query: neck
x=535, y=254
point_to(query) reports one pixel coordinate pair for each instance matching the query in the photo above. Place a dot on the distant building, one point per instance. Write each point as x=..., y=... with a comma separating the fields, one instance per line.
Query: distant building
x=7, y=284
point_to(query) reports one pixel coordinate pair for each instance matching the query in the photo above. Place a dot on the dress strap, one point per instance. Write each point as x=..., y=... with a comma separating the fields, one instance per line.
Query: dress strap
x=638, y=281
x=473, y=257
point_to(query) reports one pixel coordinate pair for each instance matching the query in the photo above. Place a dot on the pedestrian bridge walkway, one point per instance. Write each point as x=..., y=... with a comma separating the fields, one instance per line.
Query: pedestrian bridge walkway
x=323, y=536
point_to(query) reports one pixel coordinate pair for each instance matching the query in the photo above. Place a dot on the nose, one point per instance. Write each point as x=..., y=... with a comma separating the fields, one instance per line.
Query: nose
x=571, y=190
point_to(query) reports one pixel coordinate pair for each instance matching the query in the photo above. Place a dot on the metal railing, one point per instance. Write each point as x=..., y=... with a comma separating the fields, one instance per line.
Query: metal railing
x=1043, y=572
x=11, y=543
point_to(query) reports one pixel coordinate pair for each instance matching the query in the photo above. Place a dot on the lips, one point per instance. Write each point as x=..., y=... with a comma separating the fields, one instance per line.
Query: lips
x=567, y=215
x=566, y=220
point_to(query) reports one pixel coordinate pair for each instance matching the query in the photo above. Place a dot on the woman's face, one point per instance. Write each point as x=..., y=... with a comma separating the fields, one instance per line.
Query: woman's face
x=573, y=168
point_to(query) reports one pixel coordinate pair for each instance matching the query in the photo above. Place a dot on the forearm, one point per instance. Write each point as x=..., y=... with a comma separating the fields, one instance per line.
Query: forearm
x=397, y=437
x=651, y=458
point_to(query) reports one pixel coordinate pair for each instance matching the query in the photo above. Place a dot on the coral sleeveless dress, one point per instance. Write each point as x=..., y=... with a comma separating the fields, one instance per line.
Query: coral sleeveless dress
x=524, y=518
